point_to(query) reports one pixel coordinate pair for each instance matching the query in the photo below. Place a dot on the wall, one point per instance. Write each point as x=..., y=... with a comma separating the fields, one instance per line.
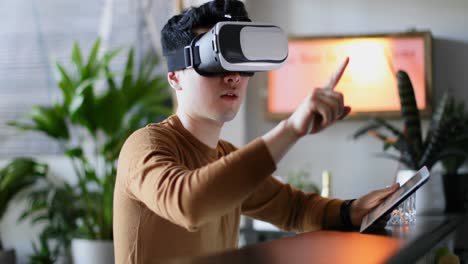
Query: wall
x=355, y=170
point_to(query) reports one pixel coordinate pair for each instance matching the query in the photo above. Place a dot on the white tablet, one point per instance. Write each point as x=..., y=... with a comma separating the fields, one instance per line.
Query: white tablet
x=392, y=201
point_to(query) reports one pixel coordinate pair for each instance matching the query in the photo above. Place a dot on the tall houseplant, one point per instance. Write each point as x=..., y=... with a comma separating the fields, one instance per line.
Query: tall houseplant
x=416, y=151
x=455, y=181
x=16, y=176
x=98, y=110
x=456, y=112
x=441, y=142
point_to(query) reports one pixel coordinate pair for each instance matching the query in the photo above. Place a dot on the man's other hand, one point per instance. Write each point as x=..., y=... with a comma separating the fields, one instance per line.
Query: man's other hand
x=363, y=205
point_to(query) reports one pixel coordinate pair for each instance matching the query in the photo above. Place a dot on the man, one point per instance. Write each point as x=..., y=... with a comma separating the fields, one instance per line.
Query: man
x=180, y=190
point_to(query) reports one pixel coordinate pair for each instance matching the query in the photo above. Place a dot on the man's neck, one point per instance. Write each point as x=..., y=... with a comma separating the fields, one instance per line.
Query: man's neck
x=205, y=130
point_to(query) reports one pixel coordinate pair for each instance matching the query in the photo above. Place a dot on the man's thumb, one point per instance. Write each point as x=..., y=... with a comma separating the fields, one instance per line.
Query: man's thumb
x=392, y=188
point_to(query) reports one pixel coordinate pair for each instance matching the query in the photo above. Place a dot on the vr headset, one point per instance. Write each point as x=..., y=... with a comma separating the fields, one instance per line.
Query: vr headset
x=244, y=47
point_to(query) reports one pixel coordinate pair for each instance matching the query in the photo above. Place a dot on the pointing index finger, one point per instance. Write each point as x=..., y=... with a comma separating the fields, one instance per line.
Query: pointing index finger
x=337, y=76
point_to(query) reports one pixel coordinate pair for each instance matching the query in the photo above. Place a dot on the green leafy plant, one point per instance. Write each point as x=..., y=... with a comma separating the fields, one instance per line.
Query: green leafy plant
x=43, y=254
x=98, y=110
x=455, y=182
x=58, y=206
x=300, y=180
x=444, y=255
x=456, y=114
x=416, y=151
x=16, y=176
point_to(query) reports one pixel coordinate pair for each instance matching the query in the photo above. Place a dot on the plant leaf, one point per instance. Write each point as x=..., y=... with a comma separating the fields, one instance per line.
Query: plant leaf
x=92, y=58
x=437, y=135
x=410, y=113
x=82, y=108
x=76, y=56
x=17, y=175
x=66, y=84
x=50, y=120
x=110, y=111
x=128, y=74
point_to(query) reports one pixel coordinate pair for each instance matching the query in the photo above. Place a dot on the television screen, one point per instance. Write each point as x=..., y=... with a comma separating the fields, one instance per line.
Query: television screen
x=369, y=82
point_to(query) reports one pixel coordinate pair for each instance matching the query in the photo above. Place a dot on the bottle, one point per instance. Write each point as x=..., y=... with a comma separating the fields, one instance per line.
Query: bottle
x=325, y=184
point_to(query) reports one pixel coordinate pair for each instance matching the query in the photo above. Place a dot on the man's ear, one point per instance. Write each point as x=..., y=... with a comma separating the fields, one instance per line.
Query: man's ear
x=173, y=79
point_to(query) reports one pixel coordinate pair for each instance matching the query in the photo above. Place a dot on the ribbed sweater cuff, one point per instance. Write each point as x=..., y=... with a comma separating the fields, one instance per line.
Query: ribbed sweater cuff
x=331, y=217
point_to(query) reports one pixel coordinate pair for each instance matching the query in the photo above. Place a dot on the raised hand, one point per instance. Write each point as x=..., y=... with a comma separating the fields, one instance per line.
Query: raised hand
x=321, y=108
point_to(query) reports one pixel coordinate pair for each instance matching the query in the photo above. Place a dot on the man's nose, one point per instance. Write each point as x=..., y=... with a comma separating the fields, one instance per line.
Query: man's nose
x=232, y=78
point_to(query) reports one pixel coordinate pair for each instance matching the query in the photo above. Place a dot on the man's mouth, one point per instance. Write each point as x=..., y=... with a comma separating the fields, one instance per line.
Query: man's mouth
x=229, y=96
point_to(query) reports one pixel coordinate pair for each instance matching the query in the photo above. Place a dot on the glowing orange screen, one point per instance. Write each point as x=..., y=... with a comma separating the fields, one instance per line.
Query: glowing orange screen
x=368, y=84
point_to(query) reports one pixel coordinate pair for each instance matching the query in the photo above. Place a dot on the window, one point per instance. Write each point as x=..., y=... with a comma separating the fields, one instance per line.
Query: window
x=35, y=34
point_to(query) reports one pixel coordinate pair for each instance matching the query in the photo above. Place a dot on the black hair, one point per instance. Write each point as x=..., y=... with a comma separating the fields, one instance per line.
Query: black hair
x=179, y=30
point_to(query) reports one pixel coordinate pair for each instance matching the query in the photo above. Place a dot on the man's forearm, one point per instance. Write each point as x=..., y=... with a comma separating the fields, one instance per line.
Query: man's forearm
x=280, y=139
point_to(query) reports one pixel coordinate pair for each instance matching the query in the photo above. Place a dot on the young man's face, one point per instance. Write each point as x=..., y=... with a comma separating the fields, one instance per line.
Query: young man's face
x=214, y=98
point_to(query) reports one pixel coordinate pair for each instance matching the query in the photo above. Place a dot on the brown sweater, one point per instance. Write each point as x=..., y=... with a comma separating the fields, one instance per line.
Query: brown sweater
x=175, y=196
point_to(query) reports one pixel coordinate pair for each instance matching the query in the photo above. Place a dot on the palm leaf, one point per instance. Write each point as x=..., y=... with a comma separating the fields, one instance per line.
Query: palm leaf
x=66, y=84
x=128, y=78
x=108, y=57
x=110, y=111
x=82, y=108
x=437, y=135
x=375, y=124
x=108, y=193
x=16, y=176
x=410, y=113
x=48, y=120
x=21, y=126
x=76, y=56
x=91, y=69
x=437, y=117
x=395, y=131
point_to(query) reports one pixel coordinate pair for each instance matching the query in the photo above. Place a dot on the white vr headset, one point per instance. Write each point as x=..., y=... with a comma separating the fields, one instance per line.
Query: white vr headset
x=244, y=47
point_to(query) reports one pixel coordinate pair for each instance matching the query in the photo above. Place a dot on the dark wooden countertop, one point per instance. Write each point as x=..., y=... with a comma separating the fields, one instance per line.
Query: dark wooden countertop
x=390, y=245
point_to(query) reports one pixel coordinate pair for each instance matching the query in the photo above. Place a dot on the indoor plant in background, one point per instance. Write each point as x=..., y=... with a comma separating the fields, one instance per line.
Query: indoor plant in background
x=300, y=179
x=16, y=176
x=55, y=205
x=98, y=110
x=414, y=150
x=43, y=254
x=455, y=181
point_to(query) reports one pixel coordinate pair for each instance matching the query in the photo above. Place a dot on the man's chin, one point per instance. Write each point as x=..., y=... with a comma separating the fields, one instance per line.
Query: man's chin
x=227, y=117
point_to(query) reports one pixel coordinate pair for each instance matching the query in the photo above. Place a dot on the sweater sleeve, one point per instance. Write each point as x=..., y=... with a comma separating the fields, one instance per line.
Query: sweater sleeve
x=290, y=209
x=190, y=198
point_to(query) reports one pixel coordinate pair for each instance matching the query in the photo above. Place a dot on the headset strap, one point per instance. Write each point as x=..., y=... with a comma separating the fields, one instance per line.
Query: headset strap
x=187, y=57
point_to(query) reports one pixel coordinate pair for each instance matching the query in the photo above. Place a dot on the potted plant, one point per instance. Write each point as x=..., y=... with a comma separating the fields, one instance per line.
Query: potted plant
x=415, y=150
x=456, y=182
x=300, y=180
x=44, y=254
x=54, y=206
x=91, y=126
x=16, y=176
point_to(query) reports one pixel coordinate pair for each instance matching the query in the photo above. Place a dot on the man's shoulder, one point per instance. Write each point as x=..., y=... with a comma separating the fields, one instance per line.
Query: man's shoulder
x=153, y=133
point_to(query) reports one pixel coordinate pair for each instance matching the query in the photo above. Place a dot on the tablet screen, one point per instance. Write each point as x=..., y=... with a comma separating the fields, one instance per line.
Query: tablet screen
x=393, y=200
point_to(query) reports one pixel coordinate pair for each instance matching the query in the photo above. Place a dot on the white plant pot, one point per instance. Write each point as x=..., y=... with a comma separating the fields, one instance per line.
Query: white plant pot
x=7, y=256
x=86, y=251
